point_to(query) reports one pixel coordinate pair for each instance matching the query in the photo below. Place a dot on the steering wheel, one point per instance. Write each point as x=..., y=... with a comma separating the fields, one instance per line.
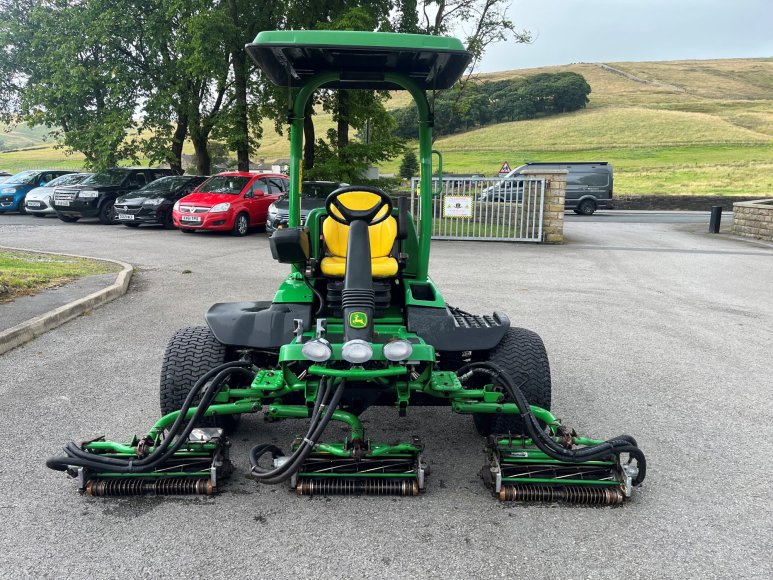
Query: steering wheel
x=347, y=215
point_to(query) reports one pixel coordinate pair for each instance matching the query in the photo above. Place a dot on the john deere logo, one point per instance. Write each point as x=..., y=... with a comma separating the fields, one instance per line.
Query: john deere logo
x=358, y=320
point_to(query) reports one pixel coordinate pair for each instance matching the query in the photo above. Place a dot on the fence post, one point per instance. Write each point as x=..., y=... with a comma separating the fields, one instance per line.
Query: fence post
x=716, y=219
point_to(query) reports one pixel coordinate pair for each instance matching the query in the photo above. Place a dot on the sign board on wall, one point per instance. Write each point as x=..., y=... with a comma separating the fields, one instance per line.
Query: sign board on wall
x=457, y=206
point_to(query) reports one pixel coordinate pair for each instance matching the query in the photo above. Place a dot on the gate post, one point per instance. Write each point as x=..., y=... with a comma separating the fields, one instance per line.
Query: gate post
x=555, y=199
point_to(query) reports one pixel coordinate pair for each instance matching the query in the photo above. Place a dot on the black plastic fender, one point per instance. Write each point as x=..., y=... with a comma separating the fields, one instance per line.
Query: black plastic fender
x=256, y=324
x=453, y=330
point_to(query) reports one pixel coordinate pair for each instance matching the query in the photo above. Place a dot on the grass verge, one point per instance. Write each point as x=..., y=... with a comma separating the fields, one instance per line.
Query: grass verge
x=26, y=273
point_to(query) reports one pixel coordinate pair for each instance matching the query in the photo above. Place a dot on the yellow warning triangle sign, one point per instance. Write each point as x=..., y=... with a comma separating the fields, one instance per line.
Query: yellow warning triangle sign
x=505, y=168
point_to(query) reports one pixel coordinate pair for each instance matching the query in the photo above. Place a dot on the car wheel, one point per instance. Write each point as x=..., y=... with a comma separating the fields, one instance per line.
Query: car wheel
x=107, y=213
x=22, y=209
x=190, y=353
x=241, y=225
x=69, y=219
x=521, y=353
x=167, y=221
x=586, y=207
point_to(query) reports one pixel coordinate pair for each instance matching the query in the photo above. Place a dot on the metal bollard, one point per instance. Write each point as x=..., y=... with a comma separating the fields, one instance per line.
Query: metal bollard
x=716, y=219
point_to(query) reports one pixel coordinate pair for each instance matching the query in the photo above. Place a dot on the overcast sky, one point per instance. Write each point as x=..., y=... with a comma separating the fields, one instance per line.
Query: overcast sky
x=567, y=31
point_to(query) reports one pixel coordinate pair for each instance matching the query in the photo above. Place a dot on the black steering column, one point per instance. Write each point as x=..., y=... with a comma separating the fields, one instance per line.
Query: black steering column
x=358, y=298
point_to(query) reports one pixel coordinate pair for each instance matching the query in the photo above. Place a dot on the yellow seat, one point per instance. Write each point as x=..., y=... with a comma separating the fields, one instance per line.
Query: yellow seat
x=382, y=238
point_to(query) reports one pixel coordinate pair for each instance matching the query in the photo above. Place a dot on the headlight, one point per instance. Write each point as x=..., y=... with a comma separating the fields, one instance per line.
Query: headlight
x=357, y=351
x=272, y=212
x=154, y=201
x=220, y=207
x=88, y=193
x=176, y=206
x=398, y=350
x=8, y=190
x=317, y=350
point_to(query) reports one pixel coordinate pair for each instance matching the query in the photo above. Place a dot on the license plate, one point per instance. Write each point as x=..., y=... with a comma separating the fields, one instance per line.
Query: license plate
x=190, y=218
x=63, y=203
x=33, y=203
x=125, y=216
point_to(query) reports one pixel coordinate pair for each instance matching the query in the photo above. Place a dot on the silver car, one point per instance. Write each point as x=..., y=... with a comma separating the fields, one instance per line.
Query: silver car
x=38, y=200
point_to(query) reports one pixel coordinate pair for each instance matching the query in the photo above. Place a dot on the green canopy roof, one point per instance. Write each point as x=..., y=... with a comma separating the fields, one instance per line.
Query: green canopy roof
x=291, y=57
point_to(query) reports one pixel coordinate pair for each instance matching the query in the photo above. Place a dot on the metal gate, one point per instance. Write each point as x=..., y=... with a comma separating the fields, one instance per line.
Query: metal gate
x=503, y=210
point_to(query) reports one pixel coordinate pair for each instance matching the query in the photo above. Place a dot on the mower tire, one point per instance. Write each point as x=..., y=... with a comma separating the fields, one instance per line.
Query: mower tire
x=521, y=353
x=191, y=352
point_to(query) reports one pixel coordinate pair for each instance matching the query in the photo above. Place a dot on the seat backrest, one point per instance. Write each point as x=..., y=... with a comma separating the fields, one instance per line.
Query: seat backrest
x=382, y=236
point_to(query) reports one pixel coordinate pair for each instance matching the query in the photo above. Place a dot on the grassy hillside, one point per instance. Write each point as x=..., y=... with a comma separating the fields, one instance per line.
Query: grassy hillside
x=21, y=136
x=678, y=127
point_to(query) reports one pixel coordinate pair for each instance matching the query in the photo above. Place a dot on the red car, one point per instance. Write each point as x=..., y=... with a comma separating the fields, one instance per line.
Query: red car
x=233, y=201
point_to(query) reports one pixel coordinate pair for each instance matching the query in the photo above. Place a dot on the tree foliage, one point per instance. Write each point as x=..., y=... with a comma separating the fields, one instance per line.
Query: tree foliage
x=483, y=103
x=409, y=166
x=120, y=80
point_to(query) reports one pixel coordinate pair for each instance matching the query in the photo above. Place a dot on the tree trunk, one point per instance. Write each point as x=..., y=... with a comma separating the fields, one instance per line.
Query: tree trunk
x=241, y=140
x=200, y=141
x=308, y=137
x=176, y=162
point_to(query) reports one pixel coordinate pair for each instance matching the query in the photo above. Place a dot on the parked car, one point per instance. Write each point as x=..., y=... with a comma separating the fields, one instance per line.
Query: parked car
x=589, y=185
x=313, y=195
x=153, y=203
x=38, y=201
x=232, y=201
x=15, y=189
x=96, y=195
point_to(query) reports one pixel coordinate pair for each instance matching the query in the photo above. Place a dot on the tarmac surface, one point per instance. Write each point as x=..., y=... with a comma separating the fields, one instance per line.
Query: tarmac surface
x=24, y=308
x=654, y=329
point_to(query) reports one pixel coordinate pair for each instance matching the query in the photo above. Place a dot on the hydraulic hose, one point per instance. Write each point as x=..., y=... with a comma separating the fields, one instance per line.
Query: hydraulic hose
x=318, y=423
x=77, y=457
x=545, y=443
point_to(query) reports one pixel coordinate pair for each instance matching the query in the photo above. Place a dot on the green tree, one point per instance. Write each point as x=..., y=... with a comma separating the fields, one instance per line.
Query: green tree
x=72, y=77
x=409, y=165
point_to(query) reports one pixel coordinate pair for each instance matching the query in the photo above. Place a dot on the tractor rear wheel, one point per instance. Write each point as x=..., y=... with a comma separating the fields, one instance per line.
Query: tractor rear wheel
x=521, y=353
x=190, y=353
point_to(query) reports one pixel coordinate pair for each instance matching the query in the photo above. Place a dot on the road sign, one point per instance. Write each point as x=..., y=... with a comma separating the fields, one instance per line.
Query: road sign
x=505, y=168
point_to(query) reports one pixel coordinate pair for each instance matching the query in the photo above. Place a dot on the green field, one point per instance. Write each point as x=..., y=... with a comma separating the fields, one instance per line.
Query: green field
x=28, y=272
x=677, y=127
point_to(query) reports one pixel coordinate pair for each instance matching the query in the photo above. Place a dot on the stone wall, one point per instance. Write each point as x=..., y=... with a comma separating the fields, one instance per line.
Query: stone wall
x=555, y=197
x=753, y=219
x=677, y=202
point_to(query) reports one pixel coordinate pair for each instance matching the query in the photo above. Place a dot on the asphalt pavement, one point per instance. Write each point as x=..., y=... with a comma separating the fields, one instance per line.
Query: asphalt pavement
x=654, y=328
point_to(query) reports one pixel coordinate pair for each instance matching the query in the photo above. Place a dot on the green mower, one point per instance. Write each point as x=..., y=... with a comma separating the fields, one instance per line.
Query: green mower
x=357, y=323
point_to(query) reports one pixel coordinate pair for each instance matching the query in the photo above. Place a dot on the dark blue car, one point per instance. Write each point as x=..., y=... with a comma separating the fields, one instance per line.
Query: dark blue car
x=14, y=190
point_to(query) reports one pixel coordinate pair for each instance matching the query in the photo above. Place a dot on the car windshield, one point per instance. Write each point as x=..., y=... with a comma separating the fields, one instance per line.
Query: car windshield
x=109, y=177
x=166, y=184
x=318, y=189
x=230, y=184
x=23, y=178
x=69, y=179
